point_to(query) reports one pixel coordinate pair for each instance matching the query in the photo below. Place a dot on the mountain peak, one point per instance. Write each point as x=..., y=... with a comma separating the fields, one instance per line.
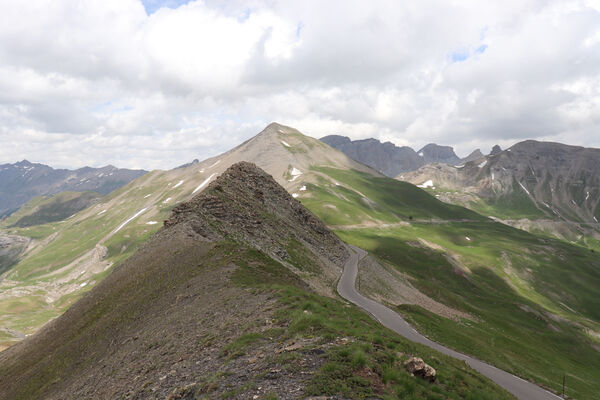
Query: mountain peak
x=495, y=150
x=234, y=205
x=437, y=153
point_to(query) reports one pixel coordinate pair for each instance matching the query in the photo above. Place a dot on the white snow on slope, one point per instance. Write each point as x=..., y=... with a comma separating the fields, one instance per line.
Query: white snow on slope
x=203, y=183
x=130, y=219
x=303, y=188
x=573, y=201
x=482, y=164
x=421, y=154
x=101, y=212
x=427, y=184
x=286, y=144
x=587, y=196
x=468, y=238
x=167, y=200
x=151, y=223
x=146, y=196
x=178, y=184
x=525, y=189
x=595, y=219
x=218, y=161
x=83, y=284
x=492, y=176
x=295, y=174
x=294, y=195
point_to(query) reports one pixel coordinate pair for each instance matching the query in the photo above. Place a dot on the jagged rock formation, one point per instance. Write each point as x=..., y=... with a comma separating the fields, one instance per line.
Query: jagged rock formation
x=392, y=160
x=386, y=158
x=22, y=181
x=495, y=150
x=235, y=205
x=551, y=180
x=475, y=155
x=434, y=153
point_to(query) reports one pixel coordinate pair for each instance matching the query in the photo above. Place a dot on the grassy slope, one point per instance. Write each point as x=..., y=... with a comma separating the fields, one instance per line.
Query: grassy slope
x=43, y=210
x=518, y=282
x=125, y=304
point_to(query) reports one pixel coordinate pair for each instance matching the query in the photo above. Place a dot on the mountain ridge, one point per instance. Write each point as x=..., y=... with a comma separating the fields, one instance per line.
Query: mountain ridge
x=22, y=181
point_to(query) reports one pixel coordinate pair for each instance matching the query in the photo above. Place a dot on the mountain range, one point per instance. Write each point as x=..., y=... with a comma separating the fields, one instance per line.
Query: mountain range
x=22, y=181
x=392, y=160
x=234, y=295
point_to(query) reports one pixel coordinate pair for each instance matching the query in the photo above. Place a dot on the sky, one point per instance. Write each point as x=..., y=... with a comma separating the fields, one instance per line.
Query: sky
x=157, y=83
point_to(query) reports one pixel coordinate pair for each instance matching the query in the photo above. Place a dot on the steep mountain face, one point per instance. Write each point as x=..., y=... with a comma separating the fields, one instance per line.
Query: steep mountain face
x=535, y=179
x=22, y=181
x=434, y=153
x=475, y=155
x=392, y=160
x=217, y=305
x=386, y=158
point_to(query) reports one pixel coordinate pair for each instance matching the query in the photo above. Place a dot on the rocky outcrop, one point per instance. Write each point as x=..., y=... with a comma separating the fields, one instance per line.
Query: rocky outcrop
x=247, y=204
x=434, y=153
x=475, y=155
x=495, y=150
x=386, y=158
x=417, y=367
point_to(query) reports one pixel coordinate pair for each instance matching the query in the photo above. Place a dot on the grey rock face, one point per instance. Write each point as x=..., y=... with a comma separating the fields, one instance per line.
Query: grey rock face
x=433, y=153
x=22, y=181
x=387, y=158
x=495, y=150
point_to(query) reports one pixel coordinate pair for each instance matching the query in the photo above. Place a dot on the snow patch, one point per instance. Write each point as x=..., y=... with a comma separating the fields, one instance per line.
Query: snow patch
x=468, y=238
x=285, y=143
x=146, y=196
x=587, y=195
x=595, y=219
x=178, y=184
x=295, y=174
x=303, y=188
x=294, y=195
x=459, y=166
x=101, y=212
x=573, y=201
x=427, y=184
x=280, y=131
x=151, y=223
x=130, y=219
x=215, y=164
x=482, y=164
x=525, y=189
x=203, y=183
x=167, y=200
x=421, y=154
x=492, y=176
x=83, y=284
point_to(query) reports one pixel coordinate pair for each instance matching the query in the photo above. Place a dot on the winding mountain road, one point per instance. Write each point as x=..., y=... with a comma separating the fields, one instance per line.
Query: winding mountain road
x=346, y=288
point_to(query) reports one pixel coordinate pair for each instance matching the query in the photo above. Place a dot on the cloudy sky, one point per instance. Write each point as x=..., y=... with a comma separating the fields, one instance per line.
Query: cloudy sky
x=156, y=83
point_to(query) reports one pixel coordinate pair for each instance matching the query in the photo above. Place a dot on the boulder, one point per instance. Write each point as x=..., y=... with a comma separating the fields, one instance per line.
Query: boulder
x=416, y=366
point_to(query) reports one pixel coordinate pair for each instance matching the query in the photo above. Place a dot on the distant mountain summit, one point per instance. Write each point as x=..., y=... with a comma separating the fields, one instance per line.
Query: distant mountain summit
x=22, y=181
x=386, y=158
x=531, y=178
x=441, y=154
x=392, y=160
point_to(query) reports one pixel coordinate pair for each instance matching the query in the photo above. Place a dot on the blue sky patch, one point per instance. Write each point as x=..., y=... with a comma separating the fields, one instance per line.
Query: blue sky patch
x=153, y=6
